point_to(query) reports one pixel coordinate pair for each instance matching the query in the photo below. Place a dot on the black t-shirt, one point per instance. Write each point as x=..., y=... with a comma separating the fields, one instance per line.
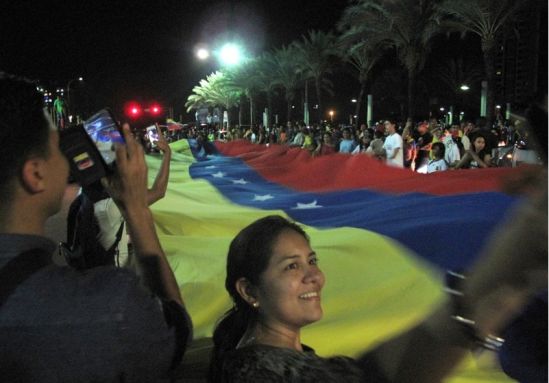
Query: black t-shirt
x=262, y=363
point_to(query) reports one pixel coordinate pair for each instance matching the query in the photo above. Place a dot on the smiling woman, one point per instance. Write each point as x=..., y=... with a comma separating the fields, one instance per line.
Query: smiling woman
x=275, y=282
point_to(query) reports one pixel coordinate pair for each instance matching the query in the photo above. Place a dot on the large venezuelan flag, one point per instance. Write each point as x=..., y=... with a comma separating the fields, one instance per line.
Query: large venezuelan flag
x=384, y=236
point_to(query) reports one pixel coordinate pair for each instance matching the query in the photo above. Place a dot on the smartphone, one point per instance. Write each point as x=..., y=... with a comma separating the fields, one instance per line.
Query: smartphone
x=152, y=135
x=104, y=131
x=90, y=147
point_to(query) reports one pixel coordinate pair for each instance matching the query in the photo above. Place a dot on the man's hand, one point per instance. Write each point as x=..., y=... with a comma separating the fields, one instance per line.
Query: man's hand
x=128, y=186
x=162, y=144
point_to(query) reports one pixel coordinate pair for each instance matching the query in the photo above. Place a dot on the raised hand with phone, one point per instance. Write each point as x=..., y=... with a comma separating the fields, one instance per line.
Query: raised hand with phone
x=128, y=188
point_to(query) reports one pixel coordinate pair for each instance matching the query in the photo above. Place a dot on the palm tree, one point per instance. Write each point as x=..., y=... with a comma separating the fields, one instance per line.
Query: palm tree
x=199, y=97
x=405, y=25
x=245, y=79
x=286, y=74
x=454, y=73
x=215, y=90
x=485, y=18
x=265, y=67
x=316, y=57
x=362, y=57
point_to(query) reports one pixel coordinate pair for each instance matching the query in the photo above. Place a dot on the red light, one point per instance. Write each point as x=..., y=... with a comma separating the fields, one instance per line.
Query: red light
x=155, y=109
x=133, y=110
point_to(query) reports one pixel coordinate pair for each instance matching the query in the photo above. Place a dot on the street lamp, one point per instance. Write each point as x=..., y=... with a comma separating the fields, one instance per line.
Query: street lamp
x=331, y=113
x=202, y=54
x=464, y=87
x=231, y=54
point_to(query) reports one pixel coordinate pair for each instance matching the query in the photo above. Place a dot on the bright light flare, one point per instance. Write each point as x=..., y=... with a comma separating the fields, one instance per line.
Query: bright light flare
x=230, y=54
x=133, y=110
x=202, y=54
x=155, y=109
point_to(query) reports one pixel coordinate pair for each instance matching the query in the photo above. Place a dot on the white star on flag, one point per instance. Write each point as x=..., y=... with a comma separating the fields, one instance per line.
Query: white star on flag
x=219, y=175
x=211, y=167
x=241, y=181
x=262, y=197
x=312, y=205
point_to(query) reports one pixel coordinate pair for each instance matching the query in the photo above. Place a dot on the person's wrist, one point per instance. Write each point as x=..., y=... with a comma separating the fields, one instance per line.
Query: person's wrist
x=136, y=211
x=462, y=314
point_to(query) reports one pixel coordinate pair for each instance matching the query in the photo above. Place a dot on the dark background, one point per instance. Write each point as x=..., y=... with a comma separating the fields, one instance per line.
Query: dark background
x=144, y=50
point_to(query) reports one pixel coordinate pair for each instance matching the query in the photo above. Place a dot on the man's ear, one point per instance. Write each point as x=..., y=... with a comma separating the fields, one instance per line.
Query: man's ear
x=33, y=175
x=246, y=290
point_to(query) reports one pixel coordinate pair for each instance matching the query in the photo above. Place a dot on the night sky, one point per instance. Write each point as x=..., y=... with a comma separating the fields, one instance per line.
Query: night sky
x=144, y=50
x=126, y=49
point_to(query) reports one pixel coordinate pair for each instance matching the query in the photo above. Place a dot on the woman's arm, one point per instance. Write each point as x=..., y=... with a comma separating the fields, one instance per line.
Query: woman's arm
x=128, y=188
x=465, y=160
x=158, y=190
x=482, y=162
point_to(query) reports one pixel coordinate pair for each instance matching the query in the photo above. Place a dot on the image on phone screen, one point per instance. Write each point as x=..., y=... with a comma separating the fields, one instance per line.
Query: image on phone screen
x=152, y=135
x=104, y=131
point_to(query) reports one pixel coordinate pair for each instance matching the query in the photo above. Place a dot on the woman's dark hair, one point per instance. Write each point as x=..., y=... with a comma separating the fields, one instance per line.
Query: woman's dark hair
x=483, y=136
x=249, y=255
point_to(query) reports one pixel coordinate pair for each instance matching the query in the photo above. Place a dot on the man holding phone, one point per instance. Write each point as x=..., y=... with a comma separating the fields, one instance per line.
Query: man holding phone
x=58, y=324
x=110, y=219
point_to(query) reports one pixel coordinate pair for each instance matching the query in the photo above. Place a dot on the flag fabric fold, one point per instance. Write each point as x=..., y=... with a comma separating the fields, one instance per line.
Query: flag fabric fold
x=384, y=236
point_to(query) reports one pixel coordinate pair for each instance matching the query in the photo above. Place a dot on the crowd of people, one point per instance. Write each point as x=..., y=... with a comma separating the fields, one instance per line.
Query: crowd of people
x=467, y=144
x=108, y=323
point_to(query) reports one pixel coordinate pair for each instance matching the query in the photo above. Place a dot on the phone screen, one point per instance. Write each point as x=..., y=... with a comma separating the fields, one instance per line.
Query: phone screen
x=152, y=135
x=104, y=131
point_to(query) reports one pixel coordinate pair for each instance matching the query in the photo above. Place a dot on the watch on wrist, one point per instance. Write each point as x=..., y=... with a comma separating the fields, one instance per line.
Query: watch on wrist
x=454, y=284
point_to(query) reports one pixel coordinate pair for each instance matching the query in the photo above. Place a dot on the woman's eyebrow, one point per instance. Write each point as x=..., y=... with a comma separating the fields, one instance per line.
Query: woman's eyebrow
x=294, y=256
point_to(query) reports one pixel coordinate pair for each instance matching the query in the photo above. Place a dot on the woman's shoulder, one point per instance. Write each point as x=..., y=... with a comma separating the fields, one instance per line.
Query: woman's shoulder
x=275, y=364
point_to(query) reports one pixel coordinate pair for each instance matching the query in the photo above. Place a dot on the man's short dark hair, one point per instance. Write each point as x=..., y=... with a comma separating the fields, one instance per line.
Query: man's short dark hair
x=441, y=147
x=24, y=130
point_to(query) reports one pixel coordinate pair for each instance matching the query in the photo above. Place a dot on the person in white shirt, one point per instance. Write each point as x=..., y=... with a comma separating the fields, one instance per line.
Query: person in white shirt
x=438, y=163
x=393, y=145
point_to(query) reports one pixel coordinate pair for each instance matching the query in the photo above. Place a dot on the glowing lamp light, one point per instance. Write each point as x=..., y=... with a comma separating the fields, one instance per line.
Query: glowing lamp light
x=202, y=53
x=464, y=87
x=230, y=54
